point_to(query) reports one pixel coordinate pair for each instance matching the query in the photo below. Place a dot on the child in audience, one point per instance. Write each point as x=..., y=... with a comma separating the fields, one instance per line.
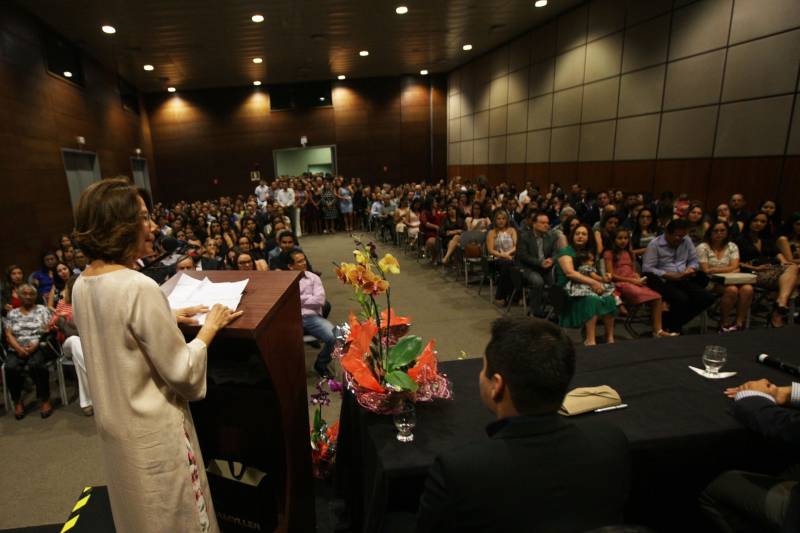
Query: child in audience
x=586, y=266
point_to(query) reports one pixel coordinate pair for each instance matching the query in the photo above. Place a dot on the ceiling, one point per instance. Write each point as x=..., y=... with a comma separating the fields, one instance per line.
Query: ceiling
x=210, y=43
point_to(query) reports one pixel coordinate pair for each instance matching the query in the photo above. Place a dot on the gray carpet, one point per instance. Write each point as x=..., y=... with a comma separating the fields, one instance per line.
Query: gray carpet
x=46, y=463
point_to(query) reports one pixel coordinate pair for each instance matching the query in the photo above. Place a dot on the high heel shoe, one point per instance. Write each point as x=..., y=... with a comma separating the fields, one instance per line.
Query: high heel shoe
x=19, y=411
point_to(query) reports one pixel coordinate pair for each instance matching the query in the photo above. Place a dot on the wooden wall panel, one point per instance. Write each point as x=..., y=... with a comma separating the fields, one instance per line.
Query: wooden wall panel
x=593, y=174
x=634, y=175
x=39, y=115
x=683, y=175
x=755, y=177
x=789, y=195
x=563, y=173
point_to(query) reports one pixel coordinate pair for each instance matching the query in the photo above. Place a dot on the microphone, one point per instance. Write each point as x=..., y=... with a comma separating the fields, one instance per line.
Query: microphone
x=778, y=364
x=163, y=266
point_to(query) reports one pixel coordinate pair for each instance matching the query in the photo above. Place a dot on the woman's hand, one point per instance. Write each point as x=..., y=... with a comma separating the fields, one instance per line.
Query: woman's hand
x=597, y=287
x=184, y=315
x=219, y=317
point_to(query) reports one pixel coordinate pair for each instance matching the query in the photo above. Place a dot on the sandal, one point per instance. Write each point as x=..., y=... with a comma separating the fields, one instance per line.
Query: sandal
x=663, y=333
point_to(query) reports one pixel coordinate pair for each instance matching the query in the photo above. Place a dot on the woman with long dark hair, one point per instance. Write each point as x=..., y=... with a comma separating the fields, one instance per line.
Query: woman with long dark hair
x=143, y=372
x=644, y=231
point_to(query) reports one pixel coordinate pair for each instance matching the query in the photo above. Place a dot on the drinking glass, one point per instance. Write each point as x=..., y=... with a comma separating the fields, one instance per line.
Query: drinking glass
x=714, y=358
x=404, y=421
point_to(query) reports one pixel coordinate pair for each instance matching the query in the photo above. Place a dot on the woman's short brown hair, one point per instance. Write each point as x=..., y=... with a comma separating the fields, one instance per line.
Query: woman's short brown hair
x=107, y=221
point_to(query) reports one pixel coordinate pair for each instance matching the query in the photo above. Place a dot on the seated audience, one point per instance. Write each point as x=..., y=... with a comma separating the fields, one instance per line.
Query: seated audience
x=431, y=220
x=245, y=261
x=583, y=307
x=772, y=209
x=25, y=330
x=698, y=225
x=632, y=286
x=501, y=245
x=735, y=227
x=477, y=221
x=671, y=266
x=644, y=232
x=187, y=262
x=773, y=271
x=574, y=477
x=209, y=259
x=789, y=242
x=602, y=235
x=749, y=501
x=450, y=232
x=63, y=273
x=535, y=250
x=718, y=255
x=43, y=278
x=10, y=290
x=738, y=207
x=312, y=302
x=80, y=261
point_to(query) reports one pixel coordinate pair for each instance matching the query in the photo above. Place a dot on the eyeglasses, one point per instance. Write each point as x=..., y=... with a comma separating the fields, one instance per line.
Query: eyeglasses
x=248, y=262
x=720, y=230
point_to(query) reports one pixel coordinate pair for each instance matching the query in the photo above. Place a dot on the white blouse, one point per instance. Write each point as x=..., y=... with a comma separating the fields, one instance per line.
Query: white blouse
x=706, y=255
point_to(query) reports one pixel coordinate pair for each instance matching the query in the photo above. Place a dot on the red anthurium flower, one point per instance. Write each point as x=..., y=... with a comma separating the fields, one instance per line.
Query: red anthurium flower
x=427, y=359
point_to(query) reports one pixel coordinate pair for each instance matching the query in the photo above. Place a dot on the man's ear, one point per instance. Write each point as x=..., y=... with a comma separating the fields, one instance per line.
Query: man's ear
x=498, y=388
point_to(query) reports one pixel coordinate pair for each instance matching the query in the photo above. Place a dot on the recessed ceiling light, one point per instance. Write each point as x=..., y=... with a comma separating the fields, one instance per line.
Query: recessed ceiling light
x=257, y=18
x=148, y=67
x=257, y=83
x=257, y=60
x=171, y=89
x=341, y=77
x=467, y=47
x=67, y=74
x=540, y=3
x=401, y=10
x=364, y=53
x=321, y=98
x=109, y=29
x=423, y=72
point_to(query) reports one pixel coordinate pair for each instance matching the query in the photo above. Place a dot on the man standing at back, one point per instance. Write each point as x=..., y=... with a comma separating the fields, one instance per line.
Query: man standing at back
x=537, y=472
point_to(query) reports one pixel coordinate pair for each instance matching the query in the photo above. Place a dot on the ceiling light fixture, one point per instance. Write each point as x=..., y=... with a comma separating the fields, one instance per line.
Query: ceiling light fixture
x=321, y=98
x=540, y=3
x=423, y=72
x=401, y=10
x=364, y=53
x=341, y=77
x=109, y=29
x=257, y=18
x=148, y=67
x=257, y=83
x=171, y=89
x=257, y=60
x=67, y=74
x=467, y=47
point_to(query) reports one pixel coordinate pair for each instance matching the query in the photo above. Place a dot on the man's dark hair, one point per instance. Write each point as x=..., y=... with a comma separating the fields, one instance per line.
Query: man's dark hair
x=286, y=233
x=291, y=256
x=677, y=224
x=536, y=360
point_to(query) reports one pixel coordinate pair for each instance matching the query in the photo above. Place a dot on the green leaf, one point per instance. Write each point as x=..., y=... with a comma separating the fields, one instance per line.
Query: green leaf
x=404, y=352
x=401, y=380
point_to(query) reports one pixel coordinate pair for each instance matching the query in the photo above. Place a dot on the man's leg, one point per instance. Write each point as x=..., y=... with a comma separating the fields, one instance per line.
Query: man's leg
x=535, y=283
x=320, y=328
x=672, y=294
x=699, y=298
x=739, y=501
x=37, y=366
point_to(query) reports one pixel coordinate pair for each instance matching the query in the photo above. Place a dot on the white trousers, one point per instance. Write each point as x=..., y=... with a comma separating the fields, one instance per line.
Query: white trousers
x=73, y=350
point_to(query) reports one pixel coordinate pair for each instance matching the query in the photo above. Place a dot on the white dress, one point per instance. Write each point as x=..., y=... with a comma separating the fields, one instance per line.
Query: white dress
x=142, y=373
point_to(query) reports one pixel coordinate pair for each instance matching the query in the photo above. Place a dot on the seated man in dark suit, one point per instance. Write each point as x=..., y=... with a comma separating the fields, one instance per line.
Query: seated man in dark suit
x=535, y=251
x=746, y=501
x=536, y=471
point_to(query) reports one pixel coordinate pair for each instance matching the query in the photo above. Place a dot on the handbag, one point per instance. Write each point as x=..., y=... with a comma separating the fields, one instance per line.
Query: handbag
x=473, y=250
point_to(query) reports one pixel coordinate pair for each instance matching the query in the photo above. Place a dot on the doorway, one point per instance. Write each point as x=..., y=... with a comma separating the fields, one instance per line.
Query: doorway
x=82, y=169
x=313, y=159
x=141, y=177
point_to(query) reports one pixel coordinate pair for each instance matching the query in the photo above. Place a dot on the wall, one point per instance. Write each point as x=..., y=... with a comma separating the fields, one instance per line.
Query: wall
x=39, y=115
x=698, y=97
x=295, y=162
x=208, y=141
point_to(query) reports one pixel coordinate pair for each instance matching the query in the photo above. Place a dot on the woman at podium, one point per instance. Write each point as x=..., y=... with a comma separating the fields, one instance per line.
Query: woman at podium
x=142, y=372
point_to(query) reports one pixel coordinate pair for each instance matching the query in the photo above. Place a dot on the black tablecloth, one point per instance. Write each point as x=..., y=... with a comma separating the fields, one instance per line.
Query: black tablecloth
x=679, y=425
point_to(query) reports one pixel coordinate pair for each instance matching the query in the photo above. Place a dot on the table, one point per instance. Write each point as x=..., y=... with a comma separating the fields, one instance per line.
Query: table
x=679, y=426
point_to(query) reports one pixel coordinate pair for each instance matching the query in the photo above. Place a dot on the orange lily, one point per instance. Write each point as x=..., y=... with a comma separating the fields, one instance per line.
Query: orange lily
x=427, y=359
x=360, y=338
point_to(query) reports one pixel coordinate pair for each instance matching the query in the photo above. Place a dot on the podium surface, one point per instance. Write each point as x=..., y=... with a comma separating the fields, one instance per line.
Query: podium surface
x=273, y=323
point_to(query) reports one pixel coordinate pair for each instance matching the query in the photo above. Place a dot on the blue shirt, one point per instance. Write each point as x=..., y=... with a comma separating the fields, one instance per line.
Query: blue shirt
x=660, y=257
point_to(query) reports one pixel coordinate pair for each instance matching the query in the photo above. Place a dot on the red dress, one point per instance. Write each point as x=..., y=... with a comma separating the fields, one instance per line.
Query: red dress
x=631, y=294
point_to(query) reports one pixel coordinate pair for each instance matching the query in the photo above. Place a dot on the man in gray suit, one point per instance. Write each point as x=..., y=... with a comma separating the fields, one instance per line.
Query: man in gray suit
x=535, y=250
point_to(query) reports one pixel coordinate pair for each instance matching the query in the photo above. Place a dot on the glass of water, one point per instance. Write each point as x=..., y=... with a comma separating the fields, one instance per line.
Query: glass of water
x=404, y=421
x=714, y=358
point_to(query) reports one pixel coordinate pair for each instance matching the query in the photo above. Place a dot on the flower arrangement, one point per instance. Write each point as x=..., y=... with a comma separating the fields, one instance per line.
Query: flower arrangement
x=383, y=365
x=323, y=436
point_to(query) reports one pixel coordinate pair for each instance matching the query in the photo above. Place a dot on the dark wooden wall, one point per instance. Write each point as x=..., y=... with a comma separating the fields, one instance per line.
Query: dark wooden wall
x=710, y=181
x=206, y=142
x=39, y=115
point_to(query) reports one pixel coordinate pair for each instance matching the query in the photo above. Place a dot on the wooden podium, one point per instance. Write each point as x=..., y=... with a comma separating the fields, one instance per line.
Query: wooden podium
x=270, y=327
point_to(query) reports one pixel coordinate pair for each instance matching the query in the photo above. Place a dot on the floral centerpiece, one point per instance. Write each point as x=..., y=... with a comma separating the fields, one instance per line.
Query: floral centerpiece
x=383, y=365
x=323, y=436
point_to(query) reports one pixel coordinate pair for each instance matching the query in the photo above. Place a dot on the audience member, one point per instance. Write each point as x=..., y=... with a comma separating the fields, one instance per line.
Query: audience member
x=671, y=266
x=632, y=286
x=789, y=242
x=583, y=310
x=575, y=477
x=43, y=278
x=645, y=231
x=698, y=225
x=501, y=245
x=450, y=232
x=718, y=255
x=773, y=271
x=535, y=250
x=25, y=330
x=738, y=207
x=9, y=297
x=312, y=302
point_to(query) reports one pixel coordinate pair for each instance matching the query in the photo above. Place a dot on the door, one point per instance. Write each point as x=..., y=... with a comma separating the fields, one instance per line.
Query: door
x=82, y=169
x=141, y=178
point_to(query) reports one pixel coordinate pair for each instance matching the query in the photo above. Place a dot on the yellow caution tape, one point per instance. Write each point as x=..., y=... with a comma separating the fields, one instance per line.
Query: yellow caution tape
x=70, y=524
x=85, y=495
x=80, y=503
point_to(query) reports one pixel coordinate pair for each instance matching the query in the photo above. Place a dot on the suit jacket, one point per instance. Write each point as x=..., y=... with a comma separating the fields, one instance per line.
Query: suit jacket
x=528, y=253
x=534, y=474
x=207, y=263
x=769, y=419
